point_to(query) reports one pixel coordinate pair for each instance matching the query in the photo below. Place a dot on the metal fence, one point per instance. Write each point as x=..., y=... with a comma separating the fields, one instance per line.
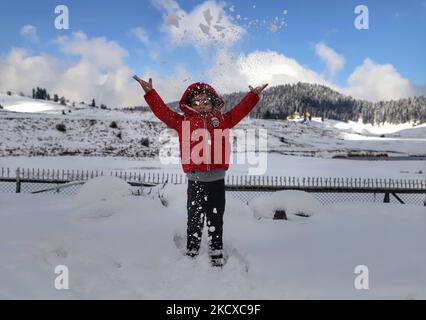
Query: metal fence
x=325, y=189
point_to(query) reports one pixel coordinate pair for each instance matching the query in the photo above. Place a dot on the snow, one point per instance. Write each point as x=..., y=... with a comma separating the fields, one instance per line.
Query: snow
x=19, y=107
x=273, y=28
x=121, y=246
x=276, y=164
x=102, y=188
x=88, y=133
x=174, y=196
x=385, y=128
x=18, y=103
x=130, y=252
x=173, y=20
x=291, y=201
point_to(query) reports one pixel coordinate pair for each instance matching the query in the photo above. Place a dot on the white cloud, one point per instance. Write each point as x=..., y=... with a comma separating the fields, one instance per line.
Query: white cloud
x=230, y=73
x=140, y=34
x=29, y=32
x=99, y=51
x=21, y=72
x=370, y=81
x=169, y=5
x=206, y=25
x=333, y=60
x=375, y=82
x=100, y=73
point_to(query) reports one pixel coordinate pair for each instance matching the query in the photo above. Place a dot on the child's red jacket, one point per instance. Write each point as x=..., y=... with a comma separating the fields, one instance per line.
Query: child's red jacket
x=191, y=120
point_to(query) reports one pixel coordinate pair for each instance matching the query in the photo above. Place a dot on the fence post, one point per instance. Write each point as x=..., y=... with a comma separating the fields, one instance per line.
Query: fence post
x=18, y=181
x=386, y=199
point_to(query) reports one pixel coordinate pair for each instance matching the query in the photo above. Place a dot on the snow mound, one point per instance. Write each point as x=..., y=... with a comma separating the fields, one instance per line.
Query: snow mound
x=174, y=196
x=101, y=189
x=17, y=103
x=292, y=201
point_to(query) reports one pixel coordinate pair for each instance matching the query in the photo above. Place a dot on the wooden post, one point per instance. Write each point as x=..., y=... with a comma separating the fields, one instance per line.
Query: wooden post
x=387, y=198
x=18, y=181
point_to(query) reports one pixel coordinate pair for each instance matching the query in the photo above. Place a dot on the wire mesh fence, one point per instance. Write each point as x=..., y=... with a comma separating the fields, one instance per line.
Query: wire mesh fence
x=7, y=186
x=330, y=198
x=246, y=188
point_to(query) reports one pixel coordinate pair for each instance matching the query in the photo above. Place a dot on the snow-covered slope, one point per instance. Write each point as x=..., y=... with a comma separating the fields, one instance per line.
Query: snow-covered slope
x=18, y=103
x=24, y=107
x=388, y=130
x=88, y=133
x=40, y=136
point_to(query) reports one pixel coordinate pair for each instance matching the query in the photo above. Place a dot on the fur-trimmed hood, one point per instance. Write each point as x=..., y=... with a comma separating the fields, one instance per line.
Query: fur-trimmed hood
x=198, y=88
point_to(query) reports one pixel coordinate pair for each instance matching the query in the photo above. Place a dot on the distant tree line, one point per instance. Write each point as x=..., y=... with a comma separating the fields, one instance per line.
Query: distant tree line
x=41, y=93
x=283, y=101
x=320, y=101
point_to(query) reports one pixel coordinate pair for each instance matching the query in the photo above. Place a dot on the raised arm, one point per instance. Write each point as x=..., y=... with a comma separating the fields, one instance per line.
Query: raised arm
x=157, y=105
x=242, y=109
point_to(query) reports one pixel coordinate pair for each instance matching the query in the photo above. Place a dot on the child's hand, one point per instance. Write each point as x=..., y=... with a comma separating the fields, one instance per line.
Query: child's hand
x=259, y=89
x=146, y=86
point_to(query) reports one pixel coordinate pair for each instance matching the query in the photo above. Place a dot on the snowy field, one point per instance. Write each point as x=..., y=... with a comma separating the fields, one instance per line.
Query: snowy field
x=28, y=128
x=105, y=236
x=275, y=164
x=106, y=241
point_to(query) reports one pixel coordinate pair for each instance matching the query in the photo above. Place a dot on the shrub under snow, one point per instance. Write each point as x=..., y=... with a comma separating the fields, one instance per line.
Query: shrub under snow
x=102, y=188
x=292, y=201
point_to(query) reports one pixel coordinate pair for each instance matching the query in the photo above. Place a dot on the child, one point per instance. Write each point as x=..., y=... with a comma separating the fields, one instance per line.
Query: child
x=206, y=176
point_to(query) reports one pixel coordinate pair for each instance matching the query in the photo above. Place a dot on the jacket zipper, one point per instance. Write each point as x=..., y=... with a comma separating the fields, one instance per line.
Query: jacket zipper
x=205, y=127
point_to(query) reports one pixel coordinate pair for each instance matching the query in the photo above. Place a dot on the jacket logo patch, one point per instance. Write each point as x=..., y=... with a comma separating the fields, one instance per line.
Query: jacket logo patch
x=215, y=122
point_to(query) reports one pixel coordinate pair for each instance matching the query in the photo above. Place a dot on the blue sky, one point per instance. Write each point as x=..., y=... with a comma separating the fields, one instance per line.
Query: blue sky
x=396, y=36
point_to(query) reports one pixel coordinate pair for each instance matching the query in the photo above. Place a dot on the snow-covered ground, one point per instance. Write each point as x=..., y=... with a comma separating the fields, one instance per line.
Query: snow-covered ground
x=88, y=132
x=275, y=165
x=120, y=246
x=24, y=107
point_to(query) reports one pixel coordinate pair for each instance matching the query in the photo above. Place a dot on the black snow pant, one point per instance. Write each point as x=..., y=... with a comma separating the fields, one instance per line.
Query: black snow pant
x=206, y=203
